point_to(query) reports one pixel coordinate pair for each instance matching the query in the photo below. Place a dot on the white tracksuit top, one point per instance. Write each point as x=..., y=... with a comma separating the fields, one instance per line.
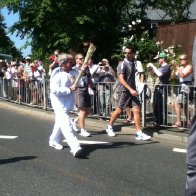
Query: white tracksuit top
x=60, y=93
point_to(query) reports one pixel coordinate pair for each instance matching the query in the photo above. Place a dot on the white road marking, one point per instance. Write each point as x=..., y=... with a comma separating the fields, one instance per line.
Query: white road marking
x=7, y=137
x=179, y=150
x=90, y=142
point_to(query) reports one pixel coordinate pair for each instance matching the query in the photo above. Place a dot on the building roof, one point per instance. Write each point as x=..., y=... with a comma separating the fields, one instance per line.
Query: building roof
x=157, y=15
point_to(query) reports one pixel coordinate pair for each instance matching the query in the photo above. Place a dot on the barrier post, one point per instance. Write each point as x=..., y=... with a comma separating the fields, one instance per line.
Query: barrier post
x=144, y=106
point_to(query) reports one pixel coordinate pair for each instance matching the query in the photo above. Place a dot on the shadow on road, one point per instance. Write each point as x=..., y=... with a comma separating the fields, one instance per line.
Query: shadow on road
x=16, y=159
x=87, y=149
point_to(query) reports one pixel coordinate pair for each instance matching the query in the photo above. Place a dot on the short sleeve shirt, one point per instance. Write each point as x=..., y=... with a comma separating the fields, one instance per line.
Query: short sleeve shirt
x=165, y=70
x=139, y=70
x=128, y=69
x=84, y=80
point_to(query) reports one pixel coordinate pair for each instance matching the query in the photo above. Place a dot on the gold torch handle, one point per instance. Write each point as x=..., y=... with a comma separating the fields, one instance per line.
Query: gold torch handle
x=89, y=54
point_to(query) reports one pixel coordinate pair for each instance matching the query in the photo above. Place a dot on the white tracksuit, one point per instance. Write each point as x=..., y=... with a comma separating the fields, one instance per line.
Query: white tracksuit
x=62, y=101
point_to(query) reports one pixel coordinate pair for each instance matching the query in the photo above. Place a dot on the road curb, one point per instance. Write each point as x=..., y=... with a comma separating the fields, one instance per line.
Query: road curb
x=26, y=110
x=160, y=135
x=170, y=137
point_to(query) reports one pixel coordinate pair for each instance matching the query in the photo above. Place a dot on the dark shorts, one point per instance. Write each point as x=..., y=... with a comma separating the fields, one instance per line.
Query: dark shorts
x=82, y=99
x=127, y=100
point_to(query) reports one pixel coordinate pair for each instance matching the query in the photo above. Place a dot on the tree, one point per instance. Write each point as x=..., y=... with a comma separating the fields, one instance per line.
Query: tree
x=6, y=45
x=178, y=10
x=66, y=24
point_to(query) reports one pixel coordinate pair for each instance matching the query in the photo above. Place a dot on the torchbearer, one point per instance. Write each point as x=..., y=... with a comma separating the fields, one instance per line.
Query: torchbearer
x=61, y=94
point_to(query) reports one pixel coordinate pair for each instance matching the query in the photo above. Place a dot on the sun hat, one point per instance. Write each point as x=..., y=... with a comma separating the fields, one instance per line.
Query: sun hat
x=28, y=58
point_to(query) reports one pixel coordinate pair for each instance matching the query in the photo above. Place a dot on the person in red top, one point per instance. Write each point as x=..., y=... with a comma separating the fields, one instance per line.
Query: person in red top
x=53, y=61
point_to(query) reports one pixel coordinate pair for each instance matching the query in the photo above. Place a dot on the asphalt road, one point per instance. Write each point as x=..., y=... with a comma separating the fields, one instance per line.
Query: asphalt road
x=120, y=167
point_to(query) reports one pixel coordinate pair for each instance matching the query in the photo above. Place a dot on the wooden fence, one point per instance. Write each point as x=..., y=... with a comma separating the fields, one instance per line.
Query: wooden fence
x=182, y=34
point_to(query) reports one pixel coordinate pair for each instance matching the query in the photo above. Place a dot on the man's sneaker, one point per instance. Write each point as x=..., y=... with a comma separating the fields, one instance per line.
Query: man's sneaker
x=84, y=133
x=74, y=126
x=77, y=152
x=143, y=136
x=55, y=145
x=110, y=132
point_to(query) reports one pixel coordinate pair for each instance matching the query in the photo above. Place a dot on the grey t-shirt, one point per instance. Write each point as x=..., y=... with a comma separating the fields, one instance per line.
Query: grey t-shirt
x=127, y=68
x=165, y=70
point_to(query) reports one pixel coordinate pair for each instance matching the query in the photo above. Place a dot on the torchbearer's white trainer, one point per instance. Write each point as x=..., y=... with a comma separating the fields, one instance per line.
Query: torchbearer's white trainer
x=55, y=145
x=77, y=152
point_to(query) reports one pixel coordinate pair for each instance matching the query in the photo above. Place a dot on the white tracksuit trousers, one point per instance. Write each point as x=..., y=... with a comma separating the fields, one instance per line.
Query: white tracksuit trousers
x=63, y=126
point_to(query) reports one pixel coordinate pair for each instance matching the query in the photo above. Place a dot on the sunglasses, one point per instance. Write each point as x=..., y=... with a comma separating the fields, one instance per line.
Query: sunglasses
x=66, y=62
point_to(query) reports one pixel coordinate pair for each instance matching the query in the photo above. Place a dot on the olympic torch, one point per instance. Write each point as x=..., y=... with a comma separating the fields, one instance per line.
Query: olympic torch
x=89, y=54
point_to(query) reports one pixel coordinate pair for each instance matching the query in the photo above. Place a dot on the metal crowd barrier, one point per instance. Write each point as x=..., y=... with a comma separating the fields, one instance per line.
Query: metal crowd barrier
x=170, y=96
x=104, y=100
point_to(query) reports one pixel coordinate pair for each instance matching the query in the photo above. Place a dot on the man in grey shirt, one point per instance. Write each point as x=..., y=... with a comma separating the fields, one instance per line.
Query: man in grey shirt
x=128, y=95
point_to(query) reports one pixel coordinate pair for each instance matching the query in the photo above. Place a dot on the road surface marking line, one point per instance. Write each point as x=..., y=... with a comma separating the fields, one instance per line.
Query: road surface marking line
x=179, y=150
x=7, y=137
x=90, y=142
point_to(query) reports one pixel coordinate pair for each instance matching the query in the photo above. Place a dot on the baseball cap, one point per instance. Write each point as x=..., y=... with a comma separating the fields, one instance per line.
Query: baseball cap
x=162, y=55
x=105, y=61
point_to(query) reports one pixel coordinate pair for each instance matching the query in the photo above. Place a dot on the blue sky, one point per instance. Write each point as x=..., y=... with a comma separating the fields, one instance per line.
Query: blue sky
x=9, y=20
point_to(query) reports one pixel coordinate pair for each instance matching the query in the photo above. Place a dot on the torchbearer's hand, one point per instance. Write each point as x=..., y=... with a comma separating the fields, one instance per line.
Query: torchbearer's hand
x=83, y=69
x=73, y=87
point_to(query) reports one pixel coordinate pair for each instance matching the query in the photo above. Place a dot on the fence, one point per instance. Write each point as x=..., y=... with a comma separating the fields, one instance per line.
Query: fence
x=105, y=100
x=182, y=34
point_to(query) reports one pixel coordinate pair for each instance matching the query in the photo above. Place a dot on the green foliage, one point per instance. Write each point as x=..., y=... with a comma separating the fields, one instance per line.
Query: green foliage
x=65, y=25
x=173, y=53
x=146, y=48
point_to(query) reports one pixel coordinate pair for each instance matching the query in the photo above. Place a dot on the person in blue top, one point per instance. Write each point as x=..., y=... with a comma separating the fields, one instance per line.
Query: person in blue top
x=160, y=93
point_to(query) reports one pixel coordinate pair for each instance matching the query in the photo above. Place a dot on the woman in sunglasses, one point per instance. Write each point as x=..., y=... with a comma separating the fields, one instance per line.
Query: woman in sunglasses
x=184, y=74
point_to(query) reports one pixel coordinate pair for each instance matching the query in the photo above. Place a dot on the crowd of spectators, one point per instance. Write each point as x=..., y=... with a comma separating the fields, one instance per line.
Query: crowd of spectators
x=23, y=80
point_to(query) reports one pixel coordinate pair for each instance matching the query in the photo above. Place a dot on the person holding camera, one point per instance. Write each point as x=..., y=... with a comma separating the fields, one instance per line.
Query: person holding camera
x=106, y=79
x=53, y=61
x=160, y=93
